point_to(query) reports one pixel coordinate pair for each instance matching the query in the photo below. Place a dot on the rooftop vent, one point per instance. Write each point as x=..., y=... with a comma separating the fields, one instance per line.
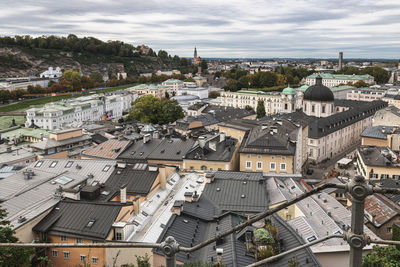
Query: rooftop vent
x=21, y=219
x=218, y=189
x=243, y=196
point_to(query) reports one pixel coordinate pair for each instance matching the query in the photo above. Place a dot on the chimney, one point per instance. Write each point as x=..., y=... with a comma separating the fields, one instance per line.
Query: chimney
x=219, y=251
x=222, y=137
x=195, y=197
x=188, y=196
x=163, y=177
x=177, y=208
x=156, y=135
x=123, y=193
x=202, y=141
x=146, y=138
x=136, y=206
x=209, y=178
x=213, y=145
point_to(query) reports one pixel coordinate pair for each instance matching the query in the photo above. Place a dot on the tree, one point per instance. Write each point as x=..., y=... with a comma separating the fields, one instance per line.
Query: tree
x=189, y=79
x=74, y=77
x=96, y=77
x=145, y=109
x=10, y=256
x=166, y=95
x=231, y=85
x=260, y=109
x=380, y=75
x=169, y=111
x=360, y=84
x=203, y=64
x=214, y=94
x=382, y=256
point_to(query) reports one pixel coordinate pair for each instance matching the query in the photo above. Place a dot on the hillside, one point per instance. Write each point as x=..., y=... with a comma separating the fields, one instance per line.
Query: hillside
x=30, y=57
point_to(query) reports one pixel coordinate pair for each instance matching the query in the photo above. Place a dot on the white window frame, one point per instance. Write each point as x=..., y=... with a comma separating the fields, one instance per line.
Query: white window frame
x=83, y=258
x=66, y=255
x=283, y=164
x=63, y=238
x=54, y=253
x=248, y=164
x=270, y=166
x=259, y=163
x=95, y=260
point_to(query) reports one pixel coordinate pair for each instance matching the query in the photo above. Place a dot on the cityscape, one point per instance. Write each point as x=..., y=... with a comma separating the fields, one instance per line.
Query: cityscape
x=200, y=134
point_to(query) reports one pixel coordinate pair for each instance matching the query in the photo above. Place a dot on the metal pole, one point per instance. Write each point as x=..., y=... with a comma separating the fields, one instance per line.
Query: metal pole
x=170, y=247
x=359, y=190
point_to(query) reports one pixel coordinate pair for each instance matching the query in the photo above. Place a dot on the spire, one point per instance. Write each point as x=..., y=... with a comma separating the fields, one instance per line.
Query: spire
x=318, y=80
x=195, y=52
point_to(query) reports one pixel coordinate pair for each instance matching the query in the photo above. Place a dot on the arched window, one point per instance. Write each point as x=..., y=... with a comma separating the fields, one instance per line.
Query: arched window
x=204, y=168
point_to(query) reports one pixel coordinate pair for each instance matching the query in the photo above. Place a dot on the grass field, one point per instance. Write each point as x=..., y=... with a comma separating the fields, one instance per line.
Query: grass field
x=5, y=121
x=22, y=106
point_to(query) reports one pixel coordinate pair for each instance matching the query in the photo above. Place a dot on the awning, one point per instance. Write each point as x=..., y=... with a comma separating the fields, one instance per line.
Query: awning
x=344, y=161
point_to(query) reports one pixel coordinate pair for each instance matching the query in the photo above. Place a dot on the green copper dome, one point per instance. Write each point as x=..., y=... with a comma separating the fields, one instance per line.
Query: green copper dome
x=288, y=91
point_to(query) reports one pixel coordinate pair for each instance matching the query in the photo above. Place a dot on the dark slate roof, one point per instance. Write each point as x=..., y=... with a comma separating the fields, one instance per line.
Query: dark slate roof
x=223, y=152
x=70, y=218
x=227, y=113
x=139, y=151
x=137, y=178
x=189, y=230
x=377, y=156
x=273, y=137
x=172, y=149
x=318, y=91
x=98, y=138
x=240, y=124
x=379, y=132
x=388, y=183
x=324, y=126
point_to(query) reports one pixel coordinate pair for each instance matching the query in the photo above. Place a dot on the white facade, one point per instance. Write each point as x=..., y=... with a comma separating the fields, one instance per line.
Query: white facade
x=198, y=91
x=93, y=108
x=332, y=80
x=365, y=95
x=172, y=86
x=51, y=73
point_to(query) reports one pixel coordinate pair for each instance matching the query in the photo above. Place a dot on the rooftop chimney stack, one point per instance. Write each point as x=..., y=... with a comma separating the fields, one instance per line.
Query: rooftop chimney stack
x=222, y=137
x=146, y=138
x=156, y=135
x=219, y=251
x=202, y=141
x=123, y=193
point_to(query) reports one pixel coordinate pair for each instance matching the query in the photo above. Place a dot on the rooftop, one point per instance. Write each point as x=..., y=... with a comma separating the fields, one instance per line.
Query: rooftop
x=379, y=209
x=214, y=149
x=379, y=132
x=109, y=149
x=341, y=76
x=379, y=156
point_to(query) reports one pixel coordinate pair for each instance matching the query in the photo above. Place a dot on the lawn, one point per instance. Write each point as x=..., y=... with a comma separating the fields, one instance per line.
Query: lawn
x=22, y=106
x=5, y=121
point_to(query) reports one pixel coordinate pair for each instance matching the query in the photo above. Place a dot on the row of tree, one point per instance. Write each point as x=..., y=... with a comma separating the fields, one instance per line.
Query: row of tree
x=380, y=75
x=238, y=78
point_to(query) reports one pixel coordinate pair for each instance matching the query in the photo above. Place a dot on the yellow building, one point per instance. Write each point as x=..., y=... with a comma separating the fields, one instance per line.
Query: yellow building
x=212, y=153
x=378, y=163
x=149, y=89
x=381, y=136
x=237, y=128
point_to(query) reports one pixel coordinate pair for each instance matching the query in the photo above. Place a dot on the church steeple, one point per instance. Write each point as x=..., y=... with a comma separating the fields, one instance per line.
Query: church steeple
x=195, y=52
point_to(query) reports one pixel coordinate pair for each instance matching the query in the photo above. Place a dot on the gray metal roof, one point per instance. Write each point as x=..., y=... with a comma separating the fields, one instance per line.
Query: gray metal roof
x=72, y=218
x=50, y=143
x=172, y=149
x=224, y=150
x=379, y=132
x=139, y=151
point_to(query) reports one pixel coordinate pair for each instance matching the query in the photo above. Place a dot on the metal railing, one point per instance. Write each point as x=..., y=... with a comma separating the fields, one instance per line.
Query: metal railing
x=358, y=188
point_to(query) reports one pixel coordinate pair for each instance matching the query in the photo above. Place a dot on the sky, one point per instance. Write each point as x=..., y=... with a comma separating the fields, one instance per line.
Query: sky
x=220, y=28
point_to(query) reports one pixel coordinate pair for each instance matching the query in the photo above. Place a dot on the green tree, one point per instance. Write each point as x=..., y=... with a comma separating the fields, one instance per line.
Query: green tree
x=198, y=263
x=214, y=94
x=145, y=109
x=382, y=256
x=189, y=79
x=5, y=95
x=231, y=85
x=10, y=256
x=360, y=84
x=260, y=109
x=73, y=77
x=380, y=75
x=203, y=64
x=143, y=261
x=96, y=77
x=166, y=95
x=169, y=111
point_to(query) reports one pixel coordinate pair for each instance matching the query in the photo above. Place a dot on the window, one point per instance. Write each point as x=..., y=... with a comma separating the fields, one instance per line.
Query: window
x=78, y=240
x=283, y=157
x=118, y=236
x=39, y=163
x=54, y=253
x=53, y=164
x=272, y=166
x=272, y=157
x=69, y=164
x=259, y=165
x=204, y=168
x=323, y=109
x=83, y=258
x=66, y=255
x=389, y=229
x=248, y=156
x=63, y=238
x=312, y=108
x=283, y=166
x=95, y=260
x=106, y=168
x=248, y=164
x=259, y=156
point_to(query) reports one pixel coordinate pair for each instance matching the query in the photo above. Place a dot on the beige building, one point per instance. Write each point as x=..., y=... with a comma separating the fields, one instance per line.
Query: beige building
x=149, y=89
x=365, y=94
x=381, y=136
x=378, y=163
x=387, y=116
x=331, y=80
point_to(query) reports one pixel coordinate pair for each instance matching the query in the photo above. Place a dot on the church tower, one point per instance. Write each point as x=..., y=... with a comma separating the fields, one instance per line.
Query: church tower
x=195, y=53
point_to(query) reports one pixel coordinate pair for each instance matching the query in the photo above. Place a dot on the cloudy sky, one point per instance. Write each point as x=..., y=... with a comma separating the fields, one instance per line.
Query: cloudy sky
x=220, y=28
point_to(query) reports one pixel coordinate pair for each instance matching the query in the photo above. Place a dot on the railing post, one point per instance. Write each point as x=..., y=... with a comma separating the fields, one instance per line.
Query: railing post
x=359, y=190
x=170, y=247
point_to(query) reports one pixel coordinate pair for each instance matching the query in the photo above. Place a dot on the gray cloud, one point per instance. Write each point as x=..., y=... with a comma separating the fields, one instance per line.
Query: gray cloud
x=225, y=28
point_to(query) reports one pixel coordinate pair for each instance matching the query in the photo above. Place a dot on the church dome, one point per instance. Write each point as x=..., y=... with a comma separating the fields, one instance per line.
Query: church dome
x=288, y=91
x=318, y=92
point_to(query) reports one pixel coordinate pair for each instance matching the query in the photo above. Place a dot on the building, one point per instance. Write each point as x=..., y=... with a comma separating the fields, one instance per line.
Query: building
x=381, y=214
x=149, y=89
x=272, y=148
x=211, y=153
x=365, y=94
x=228, y=198
x=56, y=115
x=381, y=136
x=331, y=80
x=196, y=58
x=378, y=163
x=51, y=73
x=172, y=86
x=387, y=116
x=340, y=65
x=185, y=101
x=200, y=92
x=393, y=100
x=200, y=80
x=109, y=149
x=237, y=128
x=245, y=98
x=20, y=134
x=64, y=143
x=11, y=154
